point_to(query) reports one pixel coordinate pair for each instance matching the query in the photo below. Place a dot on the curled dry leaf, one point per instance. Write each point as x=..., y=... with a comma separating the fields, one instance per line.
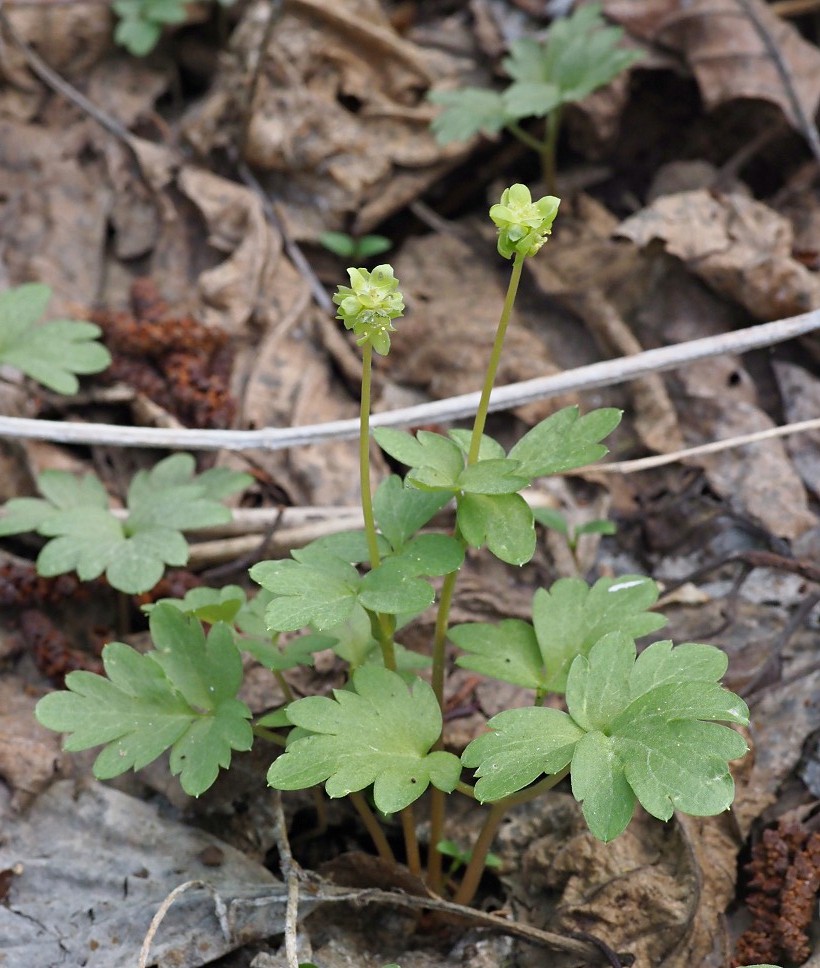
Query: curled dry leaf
x=738, y=246
x=722, y=45
x=339, y=120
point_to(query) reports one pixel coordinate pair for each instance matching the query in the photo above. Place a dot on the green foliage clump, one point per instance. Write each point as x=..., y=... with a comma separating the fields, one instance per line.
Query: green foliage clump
x=141, y=22
x=86, y=537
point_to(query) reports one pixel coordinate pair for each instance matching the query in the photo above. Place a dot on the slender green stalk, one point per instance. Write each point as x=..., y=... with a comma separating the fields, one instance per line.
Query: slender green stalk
x=411, y=844
x=525, y=137
x=384, y=624
x=495, y=358
x=364, y=458
x=268, y=734
x=478, y=859
x=549, y=149
x=287, y=692
x=437, y=807
x=373, y=827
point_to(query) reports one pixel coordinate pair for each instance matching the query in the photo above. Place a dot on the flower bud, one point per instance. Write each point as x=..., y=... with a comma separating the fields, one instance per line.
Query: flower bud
x=369, y=305
x=523, y=225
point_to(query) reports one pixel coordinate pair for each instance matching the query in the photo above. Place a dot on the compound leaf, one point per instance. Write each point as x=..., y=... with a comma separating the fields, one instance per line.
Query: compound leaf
x=394, y=587
x=432, y=555
x=494, y=476
x=571, y=617
x=140, y=709
x=380, y=733
x=564, y=441
x=51, y=353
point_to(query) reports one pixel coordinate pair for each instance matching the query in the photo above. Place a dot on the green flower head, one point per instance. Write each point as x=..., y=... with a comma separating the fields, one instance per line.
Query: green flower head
x=369, y=305
x=523, y=225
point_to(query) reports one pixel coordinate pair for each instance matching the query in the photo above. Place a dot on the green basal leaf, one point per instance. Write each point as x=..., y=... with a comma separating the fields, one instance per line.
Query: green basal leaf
x=350, y=546
x=507, y=651
x=380, y=733
x=23, y=514
x=297, y=652
x=318, y=594
x=353, y=639
x=532, y=99
x=274, y=720
x=503, y=522
x=626, y=737
x=564, y=441
x=467, y=112
x=402, y=511
x=596, y=527
x=371, y=245
x=52, y=353
x=66, y=491
x=571, y=617
x=181, y=697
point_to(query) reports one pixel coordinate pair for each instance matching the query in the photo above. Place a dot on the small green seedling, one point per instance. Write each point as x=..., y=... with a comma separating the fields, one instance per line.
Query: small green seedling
x=627, y=728
x=141, y=22
x=52, y=353
x=355, y=249
x=555, y=521
x=86, y=537
x=460, y=857
x=579, y=55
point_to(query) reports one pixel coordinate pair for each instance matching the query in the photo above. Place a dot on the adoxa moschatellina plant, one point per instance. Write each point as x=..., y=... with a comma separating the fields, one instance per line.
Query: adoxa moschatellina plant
x=637, y=728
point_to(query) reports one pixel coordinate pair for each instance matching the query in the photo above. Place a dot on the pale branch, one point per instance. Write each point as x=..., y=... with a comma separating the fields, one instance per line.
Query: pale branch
x=606, y=373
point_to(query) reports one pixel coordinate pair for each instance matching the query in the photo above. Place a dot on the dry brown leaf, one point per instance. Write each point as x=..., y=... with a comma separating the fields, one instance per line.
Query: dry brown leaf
x=724, y=49
x=339, y=119
x=740, y=247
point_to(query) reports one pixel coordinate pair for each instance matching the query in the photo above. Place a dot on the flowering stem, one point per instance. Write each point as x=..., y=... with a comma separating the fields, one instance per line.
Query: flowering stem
x=495, y=358
x=364, y=457
x=384, y=629
x=434, y=863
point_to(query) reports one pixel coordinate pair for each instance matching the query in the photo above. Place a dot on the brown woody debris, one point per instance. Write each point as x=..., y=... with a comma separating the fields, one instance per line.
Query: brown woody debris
x=784, y=881
x=53, y=654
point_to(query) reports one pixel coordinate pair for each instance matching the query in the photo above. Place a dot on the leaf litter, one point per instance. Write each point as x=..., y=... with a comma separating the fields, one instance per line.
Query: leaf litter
x=338, y=135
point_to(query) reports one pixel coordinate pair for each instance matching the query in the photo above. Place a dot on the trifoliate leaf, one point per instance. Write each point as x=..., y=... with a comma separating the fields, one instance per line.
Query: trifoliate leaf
x=531, y=99
x=381, y=733
x=503, y=521
x=181, y=697
x=318, y=594
x=466, y=113
x=350, y=546
x=401, y=511
x=564, y=441
x=507, y=651
x=662, y=741
x=571, y=617
x=626, y=738
x=51, y=353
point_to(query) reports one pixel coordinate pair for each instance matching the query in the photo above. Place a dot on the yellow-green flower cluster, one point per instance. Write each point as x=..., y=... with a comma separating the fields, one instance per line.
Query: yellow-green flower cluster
x=369, y=305
x=523, y=225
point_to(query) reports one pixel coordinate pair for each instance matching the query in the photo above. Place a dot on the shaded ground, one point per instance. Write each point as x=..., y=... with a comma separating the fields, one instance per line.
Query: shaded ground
x=173, y=210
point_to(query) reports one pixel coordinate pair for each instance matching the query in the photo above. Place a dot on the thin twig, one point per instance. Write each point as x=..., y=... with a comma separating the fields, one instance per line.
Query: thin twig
x=589, y=377
x=729, y=443
x=290, y=875
x=219, y=907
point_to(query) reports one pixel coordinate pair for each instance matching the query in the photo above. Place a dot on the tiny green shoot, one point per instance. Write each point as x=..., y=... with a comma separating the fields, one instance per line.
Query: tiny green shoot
x=353, y=248
x=579, y=55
